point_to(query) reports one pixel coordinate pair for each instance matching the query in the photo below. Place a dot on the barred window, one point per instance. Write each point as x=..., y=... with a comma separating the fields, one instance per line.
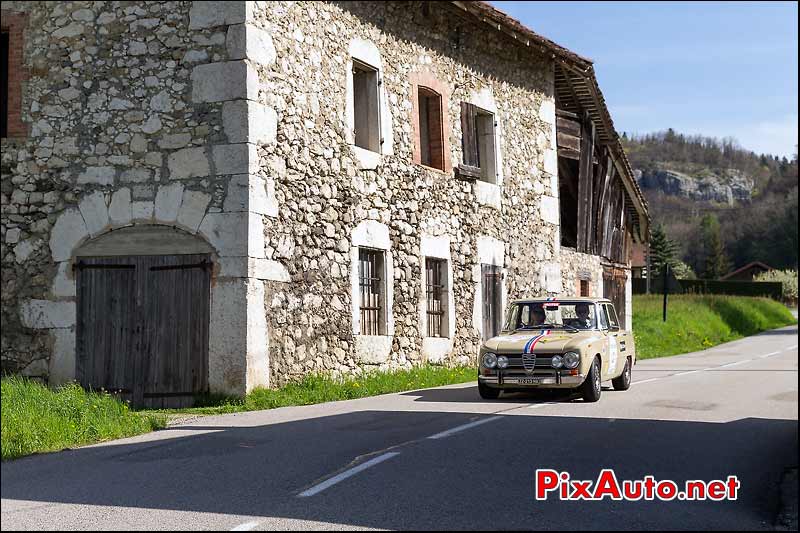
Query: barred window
x=371, y=283
x=436, y=285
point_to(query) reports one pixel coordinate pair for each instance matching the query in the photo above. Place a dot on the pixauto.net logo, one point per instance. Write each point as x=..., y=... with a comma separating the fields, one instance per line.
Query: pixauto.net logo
x=607, y=486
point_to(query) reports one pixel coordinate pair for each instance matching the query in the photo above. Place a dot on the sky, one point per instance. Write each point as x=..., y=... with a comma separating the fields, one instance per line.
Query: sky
x=720, y=69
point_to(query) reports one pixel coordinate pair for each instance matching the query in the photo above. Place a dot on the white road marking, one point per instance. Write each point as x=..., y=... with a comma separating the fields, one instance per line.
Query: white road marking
x=538, y=405
x=686, y=373
x=768, y=355
x=645, y=381
x=457, y=429
x=736, y=363
x=247, y=526
x=316, y=489
x=790, y=348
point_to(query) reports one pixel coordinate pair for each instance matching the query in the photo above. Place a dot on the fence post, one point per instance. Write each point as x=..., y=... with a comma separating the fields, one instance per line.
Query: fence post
x=666, y=289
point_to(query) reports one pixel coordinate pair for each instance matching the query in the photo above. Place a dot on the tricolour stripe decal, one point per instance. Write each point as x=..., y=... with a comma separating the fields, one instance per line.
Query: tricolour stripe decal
x=531, y=344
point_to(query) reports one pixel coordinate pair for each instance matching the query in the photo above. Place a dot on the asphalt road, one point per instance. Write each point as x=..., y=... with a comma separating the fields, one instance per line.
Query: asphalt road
x=371, y=463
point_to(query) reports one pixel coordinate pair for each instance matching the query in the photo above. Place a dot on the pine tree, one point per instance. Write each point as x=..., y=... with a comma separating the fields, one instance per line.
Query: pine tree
x=716, y=262
x=662, y=251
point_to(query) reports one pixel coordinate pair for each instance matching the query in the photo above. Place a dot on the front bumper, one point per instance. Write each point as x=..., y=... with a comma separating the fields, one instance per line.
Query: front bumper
x=554, y=380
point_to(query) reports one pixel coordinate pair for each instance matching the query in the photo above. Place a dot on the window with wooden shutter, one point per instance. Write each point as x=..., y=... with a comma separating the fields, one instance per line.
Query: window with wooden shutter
x=430, y=128
x=478, y=143
x=366, y=107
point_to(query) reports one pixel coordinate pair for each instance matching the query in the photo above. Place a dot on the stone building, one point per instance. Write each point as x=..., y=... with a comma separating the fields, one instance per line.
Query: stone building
x=225, y=195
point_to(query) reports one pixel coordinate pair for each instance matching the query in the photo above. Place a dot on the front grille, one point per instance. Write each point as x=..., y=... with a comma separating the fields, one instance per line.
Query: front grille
x=528, y=361
x=518, y=361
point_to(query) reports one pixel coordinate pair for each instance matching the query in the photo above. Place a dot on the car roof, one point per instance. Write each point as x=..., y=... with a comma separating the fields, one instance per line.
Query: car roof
x=545, y=299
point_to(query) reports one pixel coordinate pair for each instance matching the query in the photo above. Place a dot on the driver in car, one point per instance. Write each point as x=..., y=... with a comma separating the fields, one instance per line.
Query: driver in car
x=582, y=310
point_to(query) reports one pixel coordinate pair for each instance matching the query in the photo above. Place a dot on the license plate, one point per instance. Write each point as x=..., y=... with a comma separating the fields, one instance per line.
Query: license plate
x=529, y=381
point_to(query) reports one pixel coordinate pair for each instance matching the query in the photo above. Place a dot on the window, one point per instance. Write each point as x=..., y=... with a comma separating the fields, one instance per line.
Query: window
x=478, y=143
x=584, y=287
x=568, y=200
x=436, y=290
x=5, y=86
x=430, y=128
x=492, y=293
x=612, y=316
x=371, y=284
x=366, y=107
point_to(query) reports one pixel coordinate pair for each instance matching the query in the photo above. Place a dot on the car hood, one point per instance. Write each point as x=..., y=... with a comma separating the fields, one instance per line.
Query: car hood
x=551, y=341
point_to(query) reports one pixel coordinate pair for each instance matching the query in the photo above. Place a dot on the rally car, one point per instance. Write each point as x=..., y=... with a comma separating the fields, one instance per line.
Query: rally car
x=570, y=343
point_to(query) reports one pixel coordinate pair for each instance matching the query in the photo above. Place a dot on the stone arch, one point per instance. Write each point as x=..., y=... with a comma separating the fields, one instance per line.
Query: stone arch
x=144, y=239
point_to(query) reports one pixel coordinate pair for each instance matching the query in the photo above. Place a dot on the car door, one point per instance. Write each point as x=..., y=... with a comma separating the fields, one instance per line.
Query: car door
x=617, y=341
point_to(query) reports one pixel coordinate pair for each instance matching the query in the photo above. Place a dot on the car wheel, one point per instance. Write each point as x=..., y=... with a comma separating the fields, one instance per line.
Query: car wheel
x=623, y=382
x=488, y=393
x=590, y=390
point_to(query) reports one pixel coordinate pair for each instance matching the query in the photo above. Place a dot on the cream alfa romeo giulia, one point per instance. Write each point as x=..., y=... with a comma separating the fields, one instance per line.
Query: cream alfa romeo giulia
x=570, y=343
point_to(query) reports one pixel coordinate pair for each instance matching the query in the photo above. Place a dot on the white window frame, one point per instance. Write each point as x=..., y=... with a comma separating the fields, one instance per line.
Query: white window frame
x=367, y=53
x=436, y=349
x=372, y=234
x=490, y=193
x=491, y=251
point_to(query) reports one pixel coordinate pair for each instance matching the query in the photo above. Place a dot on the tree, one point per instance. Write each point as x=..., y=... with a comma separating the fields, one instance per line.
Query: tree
x=662, y=251
x=716, y=262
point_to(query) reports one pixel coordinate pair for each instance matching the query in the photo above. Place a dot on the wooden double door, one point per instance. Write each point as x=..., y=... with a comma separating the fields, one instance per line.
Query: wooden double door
x=142, y=330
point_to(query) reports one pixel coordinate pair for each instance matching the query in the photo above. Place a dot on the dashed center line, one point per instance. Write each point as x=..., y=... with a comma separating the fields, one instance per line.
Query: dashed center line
x=247, y=526
x=316, y=489
x=458, y=429
x=736, y=363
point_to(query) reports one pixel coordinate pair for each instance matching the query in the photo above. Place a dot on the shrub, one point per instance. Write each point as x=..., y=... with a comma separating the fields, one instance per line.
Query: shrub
x=787, y=277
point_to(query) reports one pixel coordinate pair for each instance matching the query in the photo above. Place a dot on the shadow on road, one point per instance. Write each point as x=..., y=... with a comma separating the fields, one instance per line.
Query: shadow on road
x=448, y=483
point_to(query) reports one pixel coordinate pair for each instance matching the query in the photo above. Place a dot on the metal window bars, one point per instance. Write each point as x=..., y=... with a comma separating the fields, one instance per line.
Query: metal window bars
x=370, y=270
x=435, y=284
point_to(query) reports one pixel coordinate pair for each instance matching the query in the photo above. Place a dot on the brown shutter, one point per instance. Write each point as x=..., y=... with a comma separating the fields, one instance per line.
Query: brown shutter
x=469, y=134
x=435, y=130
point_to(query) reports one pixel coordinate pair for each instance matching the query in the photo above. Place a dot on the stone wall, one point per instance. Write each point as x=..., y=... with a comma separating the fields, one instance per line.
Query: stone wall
x=325, y=186
x=231, y=122
x=575, y=267
x=125, y=128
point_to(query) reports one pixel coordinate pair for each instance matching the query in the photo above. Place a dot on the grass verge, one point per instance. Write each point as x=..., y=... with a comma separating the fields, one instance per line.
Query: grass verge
x=319, y=388
x=697, y=322
x=38, y=419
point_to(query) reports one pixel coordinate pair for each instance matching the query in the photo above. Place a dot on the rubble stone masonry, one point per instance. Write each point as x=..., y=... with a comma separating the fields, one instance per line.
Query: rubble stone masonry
x=233, y=122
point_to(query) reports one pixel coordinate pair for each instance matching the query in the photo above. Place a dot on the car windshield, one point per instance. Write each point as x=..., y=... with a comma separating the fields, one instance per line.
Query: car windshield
x=552, y=315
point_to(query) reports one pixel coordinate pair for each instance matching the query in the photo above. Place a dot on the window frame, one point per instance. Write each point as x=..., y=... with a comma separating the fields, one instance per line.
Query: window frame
x=427, y=82
x=437, y=319
x=372, y=317
x=479, y=155
x=375, y=140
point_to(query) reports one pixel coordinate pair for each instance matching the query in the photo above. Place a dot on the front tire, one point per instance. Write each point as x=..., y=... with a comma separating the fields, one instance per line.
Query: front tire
x=623, y=382
x=591, y=388
x=488, y=393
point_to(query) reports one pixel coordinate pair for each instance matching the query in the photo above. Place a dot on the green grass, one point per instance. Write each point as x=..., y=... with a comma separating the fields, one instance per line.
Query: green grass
x=697, y=322
x=319, y=388
x=38, y=419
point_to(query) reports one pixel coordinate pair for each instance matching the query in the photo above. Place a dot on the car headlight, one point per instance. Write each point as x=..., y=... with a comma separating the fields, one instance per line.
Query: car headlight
x=557, y=361
x=572, y=360
x=489, y=360
x=502, y=361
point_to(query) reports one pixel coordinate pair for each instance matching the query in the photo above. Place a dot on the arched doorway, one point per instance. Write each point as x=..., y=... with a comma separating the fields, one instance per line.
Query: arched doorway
x=143, y=315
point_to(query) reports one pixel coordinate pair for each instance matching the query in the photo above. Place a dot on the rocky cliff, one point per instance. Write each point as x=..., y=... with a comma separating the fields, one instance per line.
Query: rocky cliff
x=727, y=186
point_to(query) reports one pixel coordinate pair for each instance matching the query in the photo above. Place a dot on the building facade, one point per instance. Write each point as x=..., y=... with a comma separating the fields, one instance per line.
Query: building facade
x=216, y=196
